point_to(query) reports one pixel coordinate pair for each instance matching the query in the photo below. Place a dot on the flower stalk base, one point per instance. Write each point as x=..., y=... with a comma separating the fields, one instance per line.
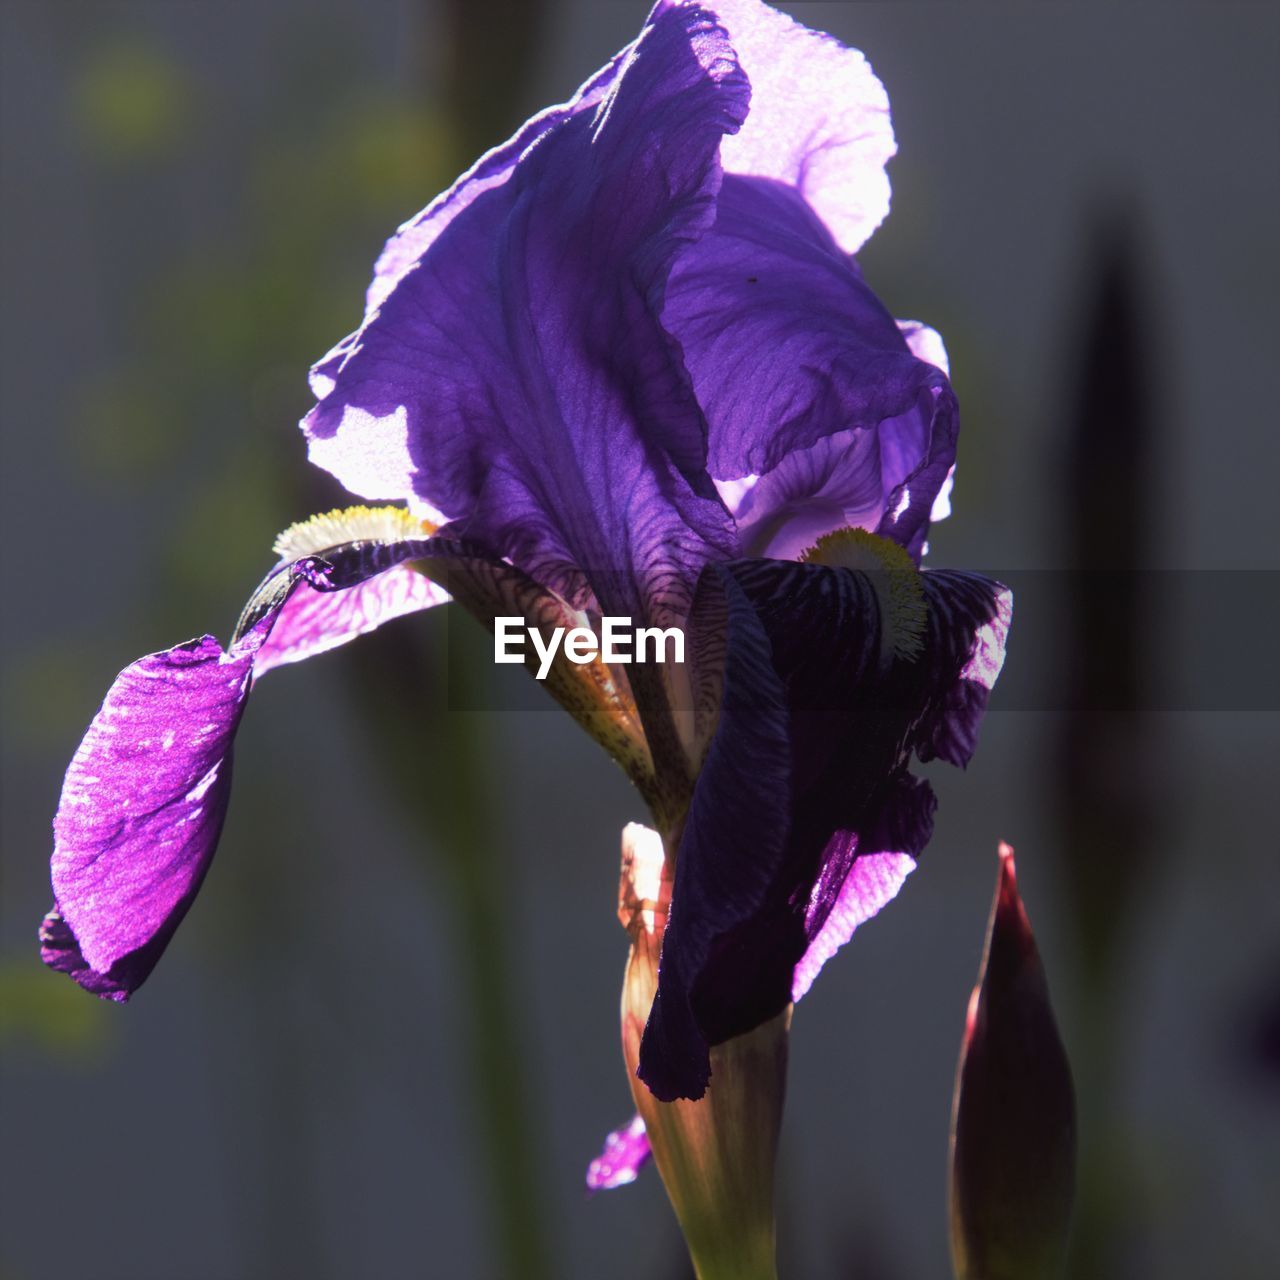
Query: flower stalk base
x=716, y=1155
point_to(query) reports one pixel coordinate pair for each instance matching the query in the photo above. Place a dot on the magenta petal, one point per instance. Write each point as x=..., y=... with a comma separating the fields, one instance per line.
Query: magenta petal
x=144, y=800
x=145, y=796
x=625, y=1153
x=313, y=622
x=862, y=872
x=873, y=882
x=61, y=952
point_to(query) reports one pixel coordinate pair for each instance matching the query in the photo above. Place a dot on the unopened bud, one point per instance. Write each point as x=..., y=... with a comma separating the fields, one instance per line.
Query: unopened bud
x=1013, y=1130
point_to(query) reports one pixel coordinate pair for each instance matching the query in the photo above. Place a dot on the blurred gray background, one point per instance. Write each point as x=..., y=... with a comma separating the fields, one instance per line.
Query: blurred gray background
x=385, y=1041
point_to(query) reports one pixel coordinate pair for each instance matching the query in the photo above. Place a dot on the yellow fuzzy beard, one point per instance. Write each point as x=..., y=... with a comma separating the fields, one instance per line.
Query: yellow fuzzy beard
x=894, y=578
x=349, y=524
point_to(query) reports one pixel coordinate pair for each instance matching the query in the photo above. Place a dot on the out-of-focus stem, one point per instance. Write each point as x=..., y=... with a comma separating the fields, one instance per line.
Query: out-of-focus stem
x=496, y=1045
x=441, y=777
x=484, y=73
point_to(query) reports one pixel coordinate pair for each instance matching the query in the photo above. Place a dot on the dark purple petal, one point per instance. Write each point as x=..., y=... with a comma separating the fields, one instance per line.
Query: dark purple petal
x=978, y=637
x=625, y=1153
x=834, y=678
x=515, y=377
x=806, y=380
x=494, y=168
x=736, y=826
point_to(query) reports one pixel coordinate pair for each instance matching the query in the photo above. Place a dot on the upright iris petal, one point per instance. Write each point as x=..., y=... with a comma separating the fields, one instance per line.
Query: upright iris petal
x=796, y=362
x=807, y=382
x=819, y=119
x=402, y=251
x=519, y=363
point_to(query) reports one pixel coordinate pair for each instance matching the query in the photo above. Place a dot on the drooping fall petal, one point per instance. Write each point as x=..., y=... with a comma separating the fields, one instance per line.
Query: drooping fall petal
x=834, y=677
x=141, y=811
x=145, y=796
x=870, y=881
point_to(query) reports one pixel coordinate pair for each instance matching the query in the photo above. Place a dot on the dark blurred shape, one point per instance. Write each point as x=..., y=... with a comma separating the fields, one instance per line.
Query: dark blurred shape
x=1013, y=1130
x=1106, y=770
x=493, y=49
x=1107, y=780
x=868, y=1252
x=1258, y=1036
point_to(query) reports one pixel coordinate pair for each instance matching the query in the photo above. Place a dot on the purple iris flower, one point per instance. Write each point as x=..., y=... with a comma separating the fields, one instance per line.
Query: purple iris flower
x=626, y=366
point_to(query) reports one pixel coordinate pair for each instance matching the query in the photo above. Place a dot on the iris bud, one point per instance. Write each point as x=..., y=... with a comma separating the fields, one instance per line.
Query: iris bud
x=1013, y=1130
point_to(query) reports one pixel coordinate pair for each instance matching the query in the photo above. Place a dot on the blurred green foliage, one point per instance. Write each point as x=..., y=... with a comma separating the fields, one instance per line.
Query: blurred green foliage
x=133, y=102
x=49, y=695
x=224, y=333
x=51, y=1016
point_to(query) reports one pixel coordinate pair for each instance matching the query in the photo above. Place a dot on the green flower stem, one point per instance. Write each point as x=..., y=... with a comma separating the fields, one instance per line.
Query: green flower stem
x=716, y=1155
x=716, y=1158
